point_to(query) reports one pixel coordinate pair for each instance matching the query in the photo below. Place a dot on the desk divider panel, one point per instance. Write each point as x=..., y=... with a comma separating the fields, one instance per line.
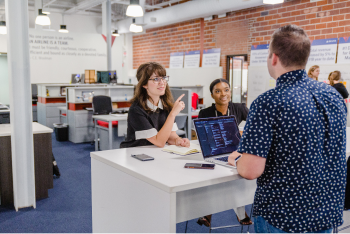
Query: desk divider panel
x=187, y=99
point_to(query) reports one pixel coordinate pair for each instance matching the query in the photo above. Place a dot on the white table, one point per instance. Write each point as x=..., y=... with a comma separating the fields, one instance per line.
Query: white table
x=5, y=129
x=122, y=126
x=129, y=195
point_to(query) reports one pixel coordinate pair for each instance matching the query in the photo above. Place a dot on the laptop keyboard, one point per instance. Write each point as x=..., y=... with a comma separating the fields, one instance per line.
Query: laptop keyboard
x=223, y=159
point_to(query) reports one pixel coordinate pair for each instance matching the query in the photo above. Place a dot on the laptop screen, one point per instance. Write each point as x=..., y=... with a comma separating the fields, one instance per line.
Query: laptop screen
x=219, y=135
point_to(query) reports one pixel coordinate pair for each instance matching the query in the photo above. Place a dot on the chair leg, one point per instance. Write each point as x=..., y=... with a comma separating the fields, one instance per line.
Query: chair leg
x=186, y=226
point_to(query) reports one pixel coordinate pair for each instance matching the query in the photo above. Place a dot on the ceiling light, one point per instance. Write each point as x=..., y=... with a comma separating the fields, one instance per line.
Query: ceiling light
x=135, y=28
x=3, y=28
x=63, y=29
x=115, y=33
x=134, y=9
x=42, y=19
x=273, y=1
x=46, y=11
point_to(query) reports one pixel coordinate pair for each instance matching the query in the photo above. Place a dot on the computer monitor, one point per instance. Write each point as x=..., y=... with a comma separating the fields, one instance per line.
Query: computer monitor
x=113, y=76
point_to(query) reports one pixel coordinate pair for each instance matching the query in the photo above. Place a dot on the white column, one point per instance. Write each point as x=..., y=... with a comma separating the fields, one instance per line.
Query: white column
x=20, y=103
x=38, y=4
x=109, y=34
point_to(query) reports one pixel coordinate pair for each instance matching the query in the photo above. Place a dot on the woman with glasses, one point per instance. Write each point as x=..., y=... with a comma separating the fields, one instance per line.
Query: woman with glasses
x=221, y=92
x=151, y=117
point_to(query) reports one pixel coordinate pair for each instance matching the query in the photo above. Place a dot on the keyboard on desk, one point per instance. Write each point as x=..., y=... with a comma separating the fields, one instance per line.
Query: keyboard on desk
x=220, y=160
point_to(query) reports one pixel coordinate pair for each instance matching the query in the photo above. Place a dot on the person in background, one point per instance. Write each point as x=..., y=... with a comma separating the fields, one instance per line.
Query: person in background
x=294, y=144
x=221, y=92
x=314, y=72
x=151, y=117
x=334, y=80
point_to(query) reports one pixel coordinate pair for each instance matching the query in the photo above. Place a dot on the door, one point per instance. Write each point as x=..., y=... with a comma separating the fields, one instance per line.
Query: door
x=236, y=74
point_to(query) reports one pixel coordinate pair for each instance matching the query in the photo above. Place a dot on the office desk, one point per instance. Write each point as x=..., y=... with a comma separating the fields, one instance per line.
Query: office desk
x=42, y=162
x=122, y=126
x=129, y=195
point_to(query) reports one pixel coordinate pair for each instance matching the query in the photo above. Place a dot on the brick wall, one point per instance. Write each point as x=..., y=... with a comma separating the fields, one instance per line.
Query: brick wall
x=236, y=33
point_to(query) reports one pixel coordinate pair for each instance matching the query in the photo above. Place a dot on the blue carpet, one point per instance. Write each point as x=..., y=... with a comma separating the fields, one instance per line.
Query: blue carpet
x=68, y=208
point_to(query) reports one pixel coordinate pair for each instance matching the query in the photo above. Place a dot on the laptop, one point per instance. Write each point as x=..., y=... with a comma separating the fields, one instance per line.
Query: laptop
x=218, y=138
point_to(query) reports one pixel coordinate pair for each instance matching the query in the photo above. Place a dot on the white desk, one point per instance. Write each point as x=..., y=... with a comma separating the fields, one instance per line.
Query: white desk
x=122, y=126
x=129, y=195
x=5, y=129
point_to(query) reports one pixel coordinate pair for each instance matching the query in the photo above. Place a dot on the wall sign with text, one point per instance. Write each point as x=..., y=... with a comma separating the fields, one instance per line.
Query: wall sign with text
x=344, y=50
x=176, y=60
x=259, y=54
x=211, y=58
x=323, y=51
x=192, y=59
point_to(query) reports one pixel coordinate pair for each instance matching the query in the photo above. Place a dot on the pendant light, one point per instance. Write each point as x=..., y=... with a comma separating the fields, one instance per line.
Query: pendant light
x=135, y=28
x=134, y=9
x=3, y=28
x=273, y=1
x=42, y=19
x=63, y=27
x=115, y=33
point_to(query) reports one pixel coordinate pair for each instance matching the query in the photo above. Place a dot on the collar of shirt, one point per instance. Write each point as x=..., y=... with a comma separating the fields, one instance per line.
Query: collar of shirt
x=153, y=107
x=291, y=77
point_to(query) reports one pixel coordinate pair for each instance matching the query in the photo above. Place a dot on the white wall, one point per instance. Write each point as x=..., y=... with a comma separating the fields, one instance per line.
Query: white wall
x=47, y=67
x=75, y=23
x=4, y=81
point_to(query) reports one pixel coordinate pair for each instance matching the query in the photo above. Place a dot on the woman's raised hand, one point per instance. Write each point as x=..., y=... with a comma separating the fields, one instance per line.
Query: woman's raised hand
x=178, y=105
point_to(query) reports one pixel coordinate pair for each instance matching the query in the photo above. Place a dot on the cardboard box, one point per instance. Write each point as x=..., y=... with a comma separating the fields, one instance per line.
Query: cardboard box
x=90, y=76
x=193, y=135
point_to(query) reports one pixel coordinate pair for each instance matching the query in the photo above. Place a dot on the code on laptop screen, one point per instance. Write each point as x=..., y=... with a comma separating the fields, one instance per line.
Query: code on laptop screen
x=217, y=135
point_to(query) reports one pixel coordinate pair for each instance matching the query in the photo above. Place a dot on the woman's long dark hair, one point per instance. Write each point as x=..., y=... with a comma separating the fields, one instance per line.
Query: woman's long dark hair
x=144, y=72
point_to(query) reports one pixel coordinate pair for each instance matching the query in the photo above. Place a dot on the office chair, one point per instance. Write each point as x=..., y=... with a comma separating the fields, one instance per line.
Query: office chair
x=181, y=122
x=102, y=105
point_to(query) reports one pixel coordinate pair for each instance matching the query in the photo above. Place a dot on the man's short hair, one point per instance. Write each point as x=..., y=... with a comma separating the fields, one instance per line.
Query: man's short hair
x=292, y=45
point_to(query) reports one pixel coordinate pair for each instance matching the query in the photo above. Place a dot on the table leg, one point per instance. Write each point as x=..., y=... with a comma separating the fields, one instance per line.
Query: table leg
x=96, y=135
x=110, y=138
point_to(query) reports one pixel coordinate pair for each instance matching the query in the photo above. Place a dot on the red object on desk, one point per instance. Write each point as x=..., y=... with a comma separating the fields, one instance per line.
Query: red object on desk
x=106, y=125
x=195, y=99
x=64, y=114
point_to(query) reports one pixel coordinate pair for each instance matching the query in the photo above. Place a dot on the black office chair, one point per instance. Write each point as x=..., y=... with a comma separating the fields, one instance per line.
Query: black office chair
x=102, y=105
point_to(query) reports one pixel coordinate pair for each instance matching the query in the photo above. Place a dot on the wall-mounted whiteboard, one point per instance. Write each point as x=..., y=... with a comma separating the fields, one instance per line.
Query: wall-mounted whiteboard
x=259, y=81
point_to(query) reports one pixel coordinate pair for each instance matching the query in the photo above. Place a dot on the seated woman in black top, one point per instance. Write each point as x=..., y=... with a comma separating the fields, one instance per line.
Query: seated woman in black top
x=221, y=93
x=152, y=114
x=334, y=78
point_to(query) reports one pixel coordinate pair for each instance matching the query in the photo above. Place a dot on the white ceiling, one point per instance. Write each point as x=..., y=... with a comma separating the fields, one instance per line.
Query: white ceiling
x=93, y=7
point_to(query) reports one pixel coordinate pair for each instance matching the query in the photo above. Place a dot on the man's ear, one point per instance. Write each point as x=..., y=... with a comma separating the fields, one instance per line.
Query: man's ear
x=275, y=59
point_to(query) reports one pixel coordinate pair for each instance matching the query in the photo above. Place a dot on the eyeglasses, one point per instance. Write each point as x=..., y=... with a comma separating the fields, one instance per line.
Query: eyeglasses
x=157, y=80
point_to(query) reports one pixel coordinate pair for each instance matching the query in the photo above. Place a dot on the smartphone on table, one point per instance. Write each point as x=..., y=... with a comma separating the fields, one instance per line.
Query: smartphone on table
x=200, y=166
x=142, y=157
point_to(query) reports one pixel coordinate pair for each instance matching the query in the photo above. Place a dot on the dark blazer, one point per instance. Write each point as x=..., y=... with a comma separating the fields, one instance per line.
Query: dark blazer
x=239, y=110
x=341, y=89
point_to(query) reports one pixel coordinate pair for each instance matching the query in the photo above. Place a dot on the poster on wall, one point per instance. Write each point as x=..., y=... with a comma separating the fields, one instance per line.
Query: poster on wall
x=211, y=58
x=259, y=54
x=176, y=60
x=192, y=59
x=323, y=51
x=344, y=51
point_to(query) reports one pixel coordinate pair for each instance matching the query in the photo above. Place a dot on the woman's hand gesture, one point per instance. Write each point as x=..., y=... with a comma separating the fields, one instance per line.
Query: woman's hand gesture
x=178, y=106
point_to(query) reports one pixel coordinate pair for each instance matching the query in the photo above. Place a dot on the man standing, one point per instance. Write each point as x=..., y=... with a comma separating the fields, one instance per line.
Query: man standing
x=294, y=143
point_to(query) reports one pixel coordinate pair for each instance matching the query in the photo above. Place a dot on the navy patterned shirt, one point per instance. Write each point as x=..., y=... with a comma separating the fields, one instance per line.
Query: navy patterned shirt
x=300, y=128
